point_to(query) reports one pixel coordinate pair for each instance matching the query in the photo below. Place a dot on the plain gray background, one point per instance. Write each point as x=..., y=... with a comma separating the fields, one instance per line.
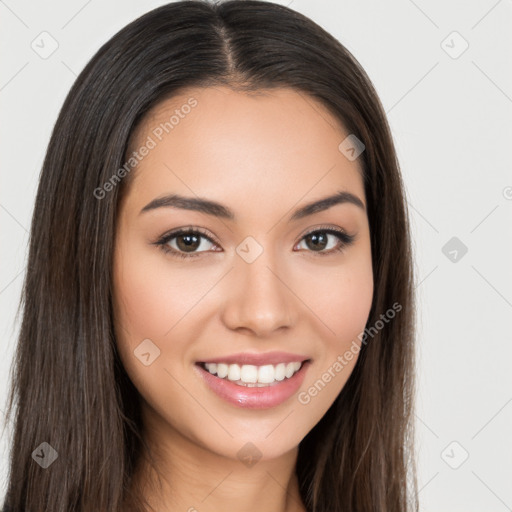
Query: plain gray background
x=450, y=110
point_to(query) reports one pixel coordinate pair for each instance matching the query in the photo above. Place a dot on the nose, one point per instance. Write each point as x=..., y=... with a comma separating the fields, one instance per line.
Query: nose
x=258, y=298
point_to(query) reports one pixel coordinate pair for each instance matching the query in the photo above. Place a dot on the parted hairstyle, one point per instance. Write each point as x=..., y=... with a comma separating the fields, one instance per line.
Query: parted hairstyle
x=68, y=385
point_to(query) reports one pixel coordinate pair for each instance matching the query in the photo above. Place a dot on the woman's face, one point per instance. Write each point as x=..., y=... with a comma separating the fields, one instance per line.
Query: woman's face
x=254, y=282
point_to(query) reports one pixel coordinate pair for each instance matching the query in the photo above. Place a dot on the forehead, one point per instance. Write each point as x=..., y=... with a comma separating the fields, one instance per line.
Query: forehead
x=274, y=145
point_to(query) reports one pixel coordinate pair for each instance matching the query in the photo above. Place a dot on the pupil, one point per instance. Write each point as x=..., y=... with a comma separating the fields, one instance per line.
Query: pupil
x=189, y=242
x=315, y=238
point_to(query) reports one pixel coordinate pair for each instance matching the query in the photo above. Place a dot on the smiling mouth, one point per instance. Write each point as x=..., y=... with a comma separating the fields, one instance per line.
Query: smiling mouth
x=252, y=375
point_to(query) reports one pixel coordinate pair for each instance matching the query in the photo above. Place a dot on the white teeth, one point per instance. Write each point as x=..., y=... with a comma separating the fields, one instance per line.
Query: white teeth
x=248, y=373
x=251, y=375
x=234, y=372
x=266, y=374
x=222, y=370
x=290, y=370
x=279, y=371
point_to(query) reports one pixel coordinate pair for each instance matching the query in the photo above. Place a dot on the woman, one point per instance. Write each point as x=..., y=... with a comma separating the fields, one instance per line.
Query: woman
x=218, y=309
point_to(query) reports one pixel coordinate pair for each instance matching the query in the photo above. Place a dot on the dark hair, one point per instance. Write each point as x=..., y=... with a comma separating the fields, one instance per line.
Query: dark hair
x=69, y=388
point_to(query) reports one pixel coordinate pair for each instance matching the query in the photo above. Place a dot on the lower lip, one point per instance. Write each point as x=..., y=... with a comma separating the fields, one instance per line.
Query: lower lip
x=255, y=398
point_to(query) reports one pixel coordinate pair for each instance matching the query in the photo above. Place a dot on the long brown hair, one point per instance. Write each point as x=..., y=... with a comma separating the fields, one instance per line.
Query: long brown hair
x=69, y=388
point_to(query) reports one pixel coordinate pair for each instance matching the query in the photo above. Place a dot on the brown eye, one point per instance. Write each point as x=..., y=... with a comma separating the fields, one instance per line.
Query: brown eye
x=316, y=241
x=188, y=242
x=327, y=241
x=185, y=243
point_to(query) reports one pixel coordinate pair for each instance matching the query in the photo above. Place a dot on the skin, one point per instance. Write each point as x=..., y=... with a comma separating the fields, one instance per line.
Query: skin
x=262, y=155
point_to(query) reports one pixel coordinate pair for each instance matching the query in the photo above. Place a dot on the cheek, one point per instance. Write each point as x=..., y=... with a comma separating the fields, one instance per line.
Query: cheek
x=149, y=301
x=344, y=310
x=151, y=298
x=156, y=301
x=341, y=299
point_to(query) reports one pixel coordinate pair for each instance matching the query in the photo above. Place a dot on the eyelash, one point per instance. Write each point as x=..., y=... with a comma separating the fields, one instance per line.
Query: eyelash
x=345, y=239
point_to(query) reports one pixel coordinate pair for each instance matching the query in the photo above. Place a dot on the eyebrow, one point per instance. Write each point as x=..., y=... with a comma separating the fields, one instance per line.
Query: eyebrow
x=219, y=210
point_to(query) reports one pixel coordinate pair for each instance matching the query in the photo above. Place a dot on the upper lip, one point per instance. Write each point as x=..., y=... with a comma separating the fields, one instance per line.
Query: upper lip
x=258, y=359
